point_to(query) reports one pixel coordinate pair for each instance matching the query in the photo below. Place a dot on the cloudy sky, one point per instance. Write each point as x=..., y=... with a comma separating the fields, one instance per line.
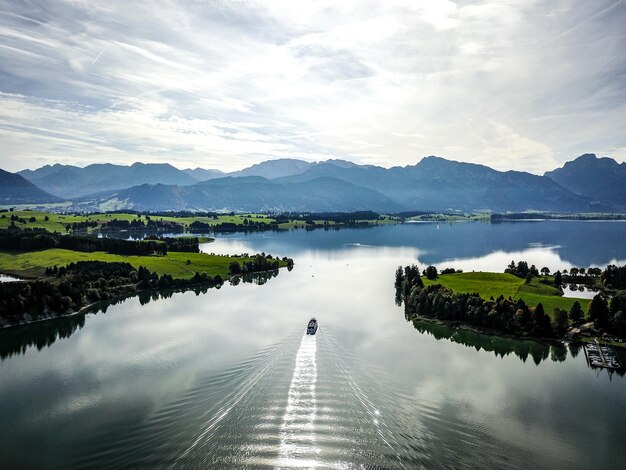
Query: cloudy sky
x=513, y=84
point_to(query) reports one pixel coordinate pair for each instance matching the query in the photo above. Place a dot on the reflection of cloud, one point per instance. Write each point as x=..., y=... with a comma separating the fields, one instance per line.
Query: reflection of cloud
x=512, y=85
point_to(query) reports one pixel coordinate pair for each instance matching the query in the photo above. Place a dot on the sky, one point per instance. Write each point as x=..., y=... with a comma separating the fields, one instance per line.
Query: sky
x=512, y=84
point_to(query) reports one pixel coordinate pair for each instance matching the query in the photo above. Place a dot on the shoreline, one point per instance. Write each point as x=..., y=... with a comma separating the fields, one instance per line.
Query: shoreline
x=491, y=332
x=84, y=309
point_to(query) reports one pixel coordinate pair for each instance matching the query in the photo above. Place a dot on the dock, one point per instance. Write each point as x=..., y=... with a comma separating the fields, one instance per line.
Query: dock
x=601, y=356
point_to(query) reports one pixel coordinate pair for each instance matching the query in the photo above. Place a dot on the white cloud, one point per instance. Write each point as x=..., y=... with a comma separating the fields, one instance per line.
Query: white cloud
x=512, y=84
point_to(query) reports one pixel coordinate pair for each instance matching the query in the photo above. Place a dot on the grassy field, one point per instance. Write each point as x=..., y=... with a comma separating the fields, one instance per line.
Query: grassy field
x=33, y=264
x=58, y=222
x=495, y=284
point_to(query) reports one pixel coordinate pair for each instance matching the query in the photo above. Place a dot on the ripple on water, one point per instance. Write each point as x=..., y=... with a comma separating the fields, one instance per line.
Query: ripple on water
x=305, y=402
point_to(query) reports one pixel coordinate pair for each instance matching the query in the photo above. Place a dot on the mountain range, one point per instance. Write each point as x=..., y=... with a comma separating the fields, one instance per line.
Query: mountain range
x=585, y=184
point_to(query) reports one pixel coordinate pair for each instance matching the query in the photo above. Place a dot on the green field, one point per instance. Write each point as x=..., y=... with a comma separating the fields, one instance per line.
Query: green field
x=58, y=222
x=33, y=264
x=495, y=284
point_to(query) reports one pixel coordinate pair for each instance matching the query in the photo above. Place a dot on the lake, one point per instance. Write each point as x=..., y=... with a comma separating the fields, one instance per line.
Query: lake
x=229, y=379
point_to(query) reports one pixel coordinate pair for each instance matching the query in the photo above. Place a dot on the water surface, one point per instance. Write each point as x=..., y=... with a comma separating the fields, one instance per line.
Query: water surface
x=229, y=379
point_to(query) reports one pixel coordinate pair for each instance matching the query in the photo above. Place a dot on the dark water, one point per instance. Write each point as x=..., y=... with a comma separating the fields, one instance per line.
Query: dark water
x=228, y=378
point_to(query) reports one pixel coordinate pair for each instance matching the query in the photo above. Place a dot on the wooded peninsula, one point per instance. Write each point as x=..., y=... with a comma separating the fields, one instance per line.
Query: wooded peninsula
x=514, y=302
x=62, y=274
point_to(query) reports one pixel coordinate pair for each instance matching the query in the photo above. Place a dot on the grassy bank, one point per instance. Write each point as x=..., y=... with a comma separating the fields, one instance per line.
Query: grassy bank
x=495, y=284
x=33, y=264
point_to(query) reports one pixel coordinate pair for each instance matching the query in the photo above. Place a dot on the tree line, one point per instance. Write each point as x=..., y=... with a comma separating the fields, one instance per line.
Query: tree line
x=33, y=239
x=259, y=263
x=70, y=288
x=39, y=239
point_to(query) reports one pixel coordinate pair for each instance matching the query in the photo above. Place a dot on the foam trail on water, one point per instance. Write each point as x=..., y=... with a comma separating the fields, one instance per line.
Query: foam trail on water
x=297, y=431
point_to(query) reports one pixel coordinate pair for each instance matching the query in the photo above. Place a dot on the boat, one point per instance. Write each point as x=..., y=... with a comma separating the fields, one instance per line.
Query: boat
x=311, y=328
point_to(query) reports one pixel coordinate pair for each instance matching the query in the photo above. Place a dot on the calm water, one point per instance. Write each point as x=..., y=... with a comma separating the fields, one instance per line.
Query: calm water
x=228, y=379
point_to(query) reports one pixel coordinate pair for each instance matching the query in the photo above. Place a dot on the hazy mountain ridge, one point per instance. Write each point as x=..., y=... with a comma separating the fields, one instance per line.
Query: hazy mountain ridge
x=254, y=194
x=69, y=181
x=272, y=169
x=600, y=179
x=434, y=183
x=15, y=189
x=203, y=174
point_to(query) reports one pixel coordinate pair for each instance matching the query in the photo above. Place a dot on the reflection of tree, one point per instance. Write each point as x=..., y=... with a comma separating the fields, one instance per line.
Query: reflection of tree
x=17, y=340
x=14, y=341
x=499, y=346
x=504, y=346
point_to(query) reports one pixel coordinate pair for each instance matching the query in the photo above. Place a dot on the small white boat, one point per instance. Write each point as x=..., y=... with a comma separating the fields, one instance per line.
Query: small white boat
x=311, y=328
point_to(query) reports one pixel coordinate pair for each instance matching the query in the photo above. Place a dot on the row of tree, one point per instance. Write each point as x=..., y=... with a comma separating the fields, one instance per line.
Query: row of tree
x=180, y=244
x=78, y=284
x=259, y=263
x=30, y=240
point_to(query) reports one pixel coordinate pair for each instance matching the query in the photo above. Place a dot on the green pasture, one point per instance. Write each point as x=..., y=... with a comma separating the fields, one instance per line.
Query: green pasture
x=495, y=284
x=33, y=264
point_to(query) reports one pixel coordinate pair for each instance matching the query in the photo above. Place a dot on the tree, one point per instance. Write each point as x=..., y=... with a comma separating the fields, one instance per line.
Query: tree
x=618, y=302
x=576, y=313
x=599, y=312
x=573, y=271
x=558, y=279
x=431, y=272
x=545, y=271
x=522, y=269
x=234, y=268
x=560, y=321
x=529, y=277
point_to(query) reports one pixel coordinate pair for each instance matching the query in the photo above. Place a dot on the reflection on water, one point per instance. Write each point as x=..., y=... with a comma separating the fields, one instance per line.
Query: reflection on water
x=226, y=379
x=43, y=334
x=578, y=291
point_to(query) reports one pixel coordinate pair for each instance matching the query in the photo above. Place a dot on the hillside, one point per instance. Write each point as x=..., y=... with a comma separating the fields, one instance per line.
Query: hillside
x=15, y=189
x=202, y=174
x=251, y=194
x=600, y=179
x=71, y=181
x=439, y=184
x=272, y=169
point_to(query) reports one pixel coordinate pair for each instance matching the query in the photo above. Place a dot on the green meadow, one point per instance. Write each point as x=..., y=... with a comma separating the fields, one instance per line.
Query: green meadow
x=33, y=264
x=495, y=284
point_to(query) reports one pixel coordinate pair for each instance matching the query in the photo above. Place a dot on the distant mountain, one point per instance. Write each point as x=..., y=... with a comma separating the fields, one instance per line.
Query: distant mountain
x=202, y=174
x=71, y=181
x=251, y=194
x=15, y=189
x=599, y=179
x=272, y=169
x=439, y=184
x=586, y=184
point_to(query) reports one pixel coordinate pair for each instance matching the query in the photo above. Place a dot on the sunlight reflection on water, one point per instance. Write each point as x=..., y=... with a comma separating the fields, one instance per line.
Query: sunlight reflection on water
x=297, y=432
